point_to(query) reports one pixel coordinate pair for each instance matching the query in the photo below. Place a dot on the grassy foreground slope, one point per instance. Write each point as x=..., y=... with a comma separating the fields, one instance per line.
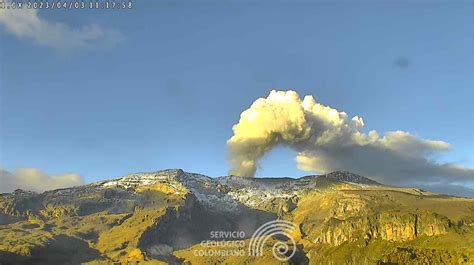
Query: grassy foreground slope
x=386, y=225
x=161, y=218
x=347, y=224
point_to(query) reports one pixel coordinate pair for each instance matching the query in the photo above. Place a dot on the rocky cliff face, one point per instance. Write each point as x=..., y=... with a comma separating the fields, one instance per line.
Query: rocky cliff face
x=342, y=218
x=392, y=226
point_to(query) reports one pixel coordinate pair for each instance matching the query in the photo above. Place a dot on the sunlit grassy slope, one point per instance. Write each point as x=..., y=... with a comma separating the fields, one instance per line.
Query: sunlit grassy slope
x=163, y=221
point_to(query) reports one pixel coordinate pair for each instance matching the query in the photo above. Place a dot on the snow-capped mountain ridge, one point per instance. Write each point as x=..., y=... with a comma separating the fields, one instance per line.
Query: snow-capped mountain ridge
x=223, y=192
x=151, y=211
x=345, y=176
x=192, y=179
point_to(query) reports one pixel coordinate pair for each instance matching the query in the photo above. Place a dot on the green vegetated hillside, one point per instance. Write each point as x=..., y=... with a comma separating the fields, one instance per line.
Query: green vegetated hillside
x=161, y=218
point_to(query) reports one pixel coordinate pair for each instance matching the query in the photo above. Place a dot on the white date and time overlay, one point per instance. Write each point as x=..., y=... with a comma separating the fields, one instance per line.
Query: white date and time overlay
x=66, y=4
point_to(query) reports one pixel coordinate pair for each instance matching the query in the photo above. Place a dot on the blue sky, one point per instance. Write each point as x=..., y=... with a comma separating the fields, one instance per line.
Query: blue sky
x=166, y=92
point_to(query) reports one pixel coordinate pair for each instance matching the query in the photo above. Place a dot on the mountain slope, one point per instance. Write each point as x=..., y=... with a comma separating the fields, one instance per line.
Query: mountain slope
x=161, y=217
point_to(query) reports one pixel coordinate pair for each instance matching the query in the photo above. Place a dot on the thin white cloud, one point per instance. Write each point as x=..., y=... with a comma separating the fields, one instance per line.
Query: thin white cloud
x=27, y=24
x=35, y=180
x=327, y=139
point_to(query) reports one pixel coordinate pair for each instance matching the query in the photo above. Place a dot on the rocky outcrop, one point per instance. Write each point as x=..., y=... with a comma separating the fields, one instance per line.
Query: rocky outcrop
x=342, y=218
x=394, y=226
